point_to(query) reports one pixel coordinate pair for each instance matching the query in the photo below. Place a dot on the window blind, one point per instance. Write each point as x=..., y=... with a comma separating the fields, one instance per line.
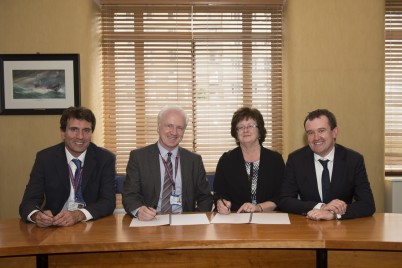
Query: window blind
x=208, y=59
x=393, y=87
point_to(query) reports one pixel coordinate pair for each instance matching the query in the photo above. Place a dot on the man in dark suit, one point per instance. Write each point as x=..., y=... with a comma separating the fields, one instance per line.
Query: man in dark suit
x=72, y=181
x=164, y=177
x=325, y=180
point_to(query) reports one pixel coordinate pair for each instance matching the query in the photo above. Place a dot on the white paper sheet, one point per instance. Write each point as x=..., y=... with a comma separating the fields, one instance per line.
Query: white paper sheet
x=235, y=218
x=189, y=219
x=257, y=218
x=270, y=218
x=157, y=221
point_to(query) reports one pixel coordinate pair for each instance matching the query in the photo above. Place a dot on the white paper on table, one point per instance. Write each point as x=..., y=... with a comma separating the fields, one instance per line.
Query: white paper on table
x=189, y=219
x=157, y=221
x=270, y=218
x=232, y=218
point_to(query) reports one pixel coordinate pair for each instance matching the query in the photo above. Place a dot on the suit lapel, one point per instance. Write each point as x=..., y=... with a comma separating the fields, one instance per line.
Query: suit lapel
x=185, y=169
x=62, y=168
x=311, y=173
x=155, y=170
x=339, y=165
x=89, y=166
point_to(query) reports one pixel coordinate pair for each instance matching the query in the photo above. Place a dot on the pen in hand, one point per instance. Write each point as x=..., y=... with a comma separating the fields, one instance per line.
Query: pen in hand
x=153, y=208
x=41, y=210
x=224, y=203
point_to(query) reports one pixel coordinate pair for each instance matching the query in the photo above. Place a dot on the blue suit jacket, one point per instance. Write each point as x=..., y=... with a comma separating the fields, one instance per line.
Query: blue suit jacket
x=349, y=183
x=142, y=185
x=49, y=181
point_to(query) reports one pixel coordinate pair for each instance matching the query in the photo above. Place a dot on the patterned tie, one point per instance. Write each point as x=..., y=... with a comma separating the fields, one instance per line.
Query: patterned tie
x=326, y=183
x=167, y=186
x=78, y=194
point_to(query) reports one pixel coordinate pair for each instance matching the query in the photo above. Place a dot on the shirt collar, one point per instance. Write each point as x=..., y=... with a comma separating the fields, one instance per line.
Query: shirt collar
x=164, y=152
x=71, y=157
x=329, y=156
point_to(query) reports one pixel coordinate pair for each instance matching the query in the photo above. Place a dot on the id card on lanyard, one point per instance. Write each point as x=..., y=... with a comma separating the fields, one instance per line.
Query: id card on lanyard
x=175, y=199
x=78, y=201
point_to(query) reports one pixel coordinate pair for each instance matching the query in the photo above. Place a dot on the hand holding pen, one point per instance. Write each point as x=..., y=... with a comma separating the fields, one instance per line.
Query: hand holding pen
x=43, y=218
x=223, y=206
x=146, y=213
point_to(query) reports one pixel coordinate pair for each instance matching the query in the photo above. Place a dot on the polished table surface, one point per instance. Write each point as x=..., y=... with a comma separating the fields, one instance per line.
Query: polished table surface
x=383, y=231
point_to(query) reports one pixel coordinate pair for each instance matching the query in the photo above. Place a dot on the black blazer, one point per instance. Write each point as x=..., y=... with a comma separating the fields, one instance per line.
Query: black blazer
x=49, y=181
x=231, y=180
x=349, y=183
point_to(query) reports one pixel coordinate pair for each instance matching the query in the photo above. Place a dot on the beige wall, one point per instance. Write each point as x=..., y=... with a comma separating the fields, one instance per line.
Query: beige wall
x=333, y=54
x=44, y=26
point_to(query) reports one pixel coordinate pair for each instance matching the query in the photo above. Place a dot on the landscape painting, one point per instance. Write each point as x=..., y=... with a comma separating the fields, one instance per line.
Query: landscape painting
x=39, y=84
x=35, y=84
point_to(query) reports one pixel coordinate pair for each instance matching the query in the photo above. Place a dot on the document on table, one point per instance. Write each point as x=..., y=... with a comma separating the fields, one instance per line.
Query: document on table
x=189, y=219
x=270, y=218
x=257, y=218
x=172, y=219
x=232, y=218
x=157, y=221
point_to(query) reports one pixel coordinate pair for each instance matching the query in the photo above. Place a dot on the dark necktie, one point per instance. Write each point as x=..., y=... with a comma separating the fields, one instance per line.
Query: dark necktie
x=166, y=207
x=325, y=182
x=78, y=194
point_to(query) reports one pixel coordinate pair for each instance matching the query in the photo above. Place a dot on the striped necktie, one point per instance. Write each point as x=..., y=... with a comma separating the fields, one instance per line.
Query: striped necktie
x=78, y=194
x=166, y=207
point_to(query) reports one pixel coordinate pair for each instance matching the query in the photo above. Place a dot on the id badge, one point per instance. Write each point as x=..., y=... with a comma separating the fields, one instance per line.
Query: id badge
x=75, y=205
x=175, y=199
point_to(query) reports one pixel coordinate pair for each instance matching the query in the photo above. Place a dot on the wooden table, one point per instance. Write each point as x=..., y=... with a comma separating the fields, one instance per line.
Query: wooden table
x=304, y=243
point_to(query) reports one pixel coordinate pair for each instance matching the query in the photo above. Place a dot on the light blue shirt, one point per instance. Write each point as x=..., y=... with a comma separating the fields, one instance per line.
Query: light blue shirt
x=176, y=177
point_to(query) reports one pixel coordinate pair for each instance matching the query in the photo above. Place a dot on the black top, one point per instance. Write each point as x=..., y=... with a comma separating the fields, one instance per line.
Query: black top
x=232, y=182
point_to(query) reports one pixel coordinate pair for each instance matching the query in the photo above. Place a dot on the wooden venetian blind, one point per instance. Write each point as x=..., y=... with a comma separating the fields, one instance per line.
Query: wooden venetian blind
x=208, y=59
x=393, y=87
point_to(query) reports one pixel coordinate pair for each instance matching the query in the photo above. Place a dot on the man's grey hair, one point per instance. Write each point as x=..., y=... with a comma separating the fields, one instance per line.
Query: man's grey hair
x=168, y=108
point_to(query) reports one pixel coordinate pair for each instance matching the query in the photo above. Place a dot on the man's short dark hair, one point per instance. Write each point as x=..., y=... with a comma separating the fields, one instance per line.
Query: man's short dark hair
x=322, y=112
x=80, y=113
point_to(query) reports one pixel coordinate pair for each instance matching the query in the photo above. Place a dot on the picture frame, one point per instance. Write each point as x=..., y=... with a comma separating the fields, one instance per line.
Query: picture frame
x=38, y=84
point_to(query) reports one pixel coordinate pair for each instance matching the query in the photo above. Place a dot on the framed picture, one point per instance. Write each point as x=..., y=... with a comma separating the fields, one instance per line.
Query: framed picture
x=38, y=84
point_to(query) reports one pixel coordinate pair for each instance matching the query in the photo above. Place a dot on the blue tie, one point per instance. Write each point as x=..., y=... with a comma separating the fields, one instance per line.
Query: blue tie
x=78, y=194
x=326, y=183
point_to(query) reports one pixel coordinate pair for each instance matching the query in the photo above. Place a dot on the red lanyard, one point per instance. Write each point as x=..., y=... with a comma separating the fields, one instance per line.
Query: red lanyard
x=176, y=165
x=76, y=184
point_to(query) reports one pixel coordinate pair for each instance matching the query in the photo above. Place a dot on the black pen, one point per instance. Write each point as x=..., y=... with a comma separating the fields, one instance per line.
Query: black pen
x=41, y=210
x=224, y=203
x=154, y=207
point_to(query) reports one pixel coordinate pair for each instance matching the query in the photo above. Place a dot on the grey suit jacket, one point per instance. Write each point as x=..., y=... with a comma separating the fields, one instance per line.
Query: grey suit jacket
x=50, y=182
x=142, y=185
x=349, y=183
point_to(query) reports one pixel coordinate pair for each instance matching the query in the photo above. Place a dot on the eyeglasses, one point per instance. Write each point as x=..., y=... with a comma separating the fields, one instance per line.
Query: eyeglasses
x=243, y=128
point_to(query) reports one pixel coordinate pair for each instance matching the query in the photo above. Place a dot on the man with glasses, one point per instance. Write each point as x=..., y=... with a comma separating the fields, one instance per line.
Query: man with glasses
x=164, y=177
x=325, y=180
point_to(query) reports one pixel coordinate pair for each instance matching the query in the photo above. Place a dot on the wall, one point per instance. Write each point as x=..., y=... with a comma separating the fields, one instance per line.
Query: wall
x=334, y=58
x=44, y=26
